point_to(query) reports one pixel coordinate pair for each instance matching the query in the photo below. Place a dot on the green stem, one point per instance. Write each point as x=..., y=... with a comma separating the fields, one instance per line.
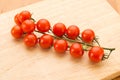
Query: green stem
x=111, y=49
x=39, y=32
x=71, y=40
x=95, y=39
x=79, y=37
x=106, y=56
x=33, y=19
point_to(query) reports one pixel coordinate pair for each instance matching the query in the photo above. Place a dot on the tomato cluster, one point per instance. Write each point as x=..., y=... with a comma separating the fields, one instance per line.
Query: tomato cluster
x=56, y=37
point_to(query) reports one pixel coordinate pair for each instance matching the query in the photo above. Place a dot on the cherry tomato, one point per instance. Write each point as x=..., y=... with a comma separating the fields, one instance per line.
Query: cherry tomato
x=72, y=32
x=30, y=40
x=16, y=19
x=43, y=25
x=59, y=29
x=46, y=41
x=96, y=54
x=24, y=15
x=88, y=35
x=76, y=50
x=28, y=26
x=60, y=46
x=16, y=32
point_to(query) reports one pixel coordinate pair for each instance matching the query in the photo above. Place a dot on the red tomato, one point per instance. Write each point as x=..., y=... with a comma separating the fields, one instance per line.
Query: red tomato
x=16, y=19
x=24, y=15
x=88, y=35
x=16, y=32
x=28, y=26
x=46, y=41
x=59, y=29
x=60, y=46
x=96, y=54
x=43, y=25
x=76, y=50
x=73, y=32
x=30, y=40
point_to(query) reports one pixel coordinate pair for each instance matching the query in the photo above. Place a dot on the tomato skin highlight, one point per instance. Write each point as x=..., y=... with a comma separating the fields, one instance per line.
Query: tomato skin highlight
x=46, y=41
x=43, y=25
x=59, y=29
x=16, y=32
x=72, y=32
x=60, y=46
x=88, y=35
x=30, y=40
x=96, y=54
x=16, y=19
x=76, y=50
x=28, y=26
x=24, y=15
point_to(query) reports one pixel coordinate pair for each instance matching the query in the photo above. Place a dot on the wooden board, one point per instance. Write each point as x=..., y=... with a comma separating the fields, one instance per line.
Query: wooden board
x=14, y=4
x=20, y=63
x=115, y=4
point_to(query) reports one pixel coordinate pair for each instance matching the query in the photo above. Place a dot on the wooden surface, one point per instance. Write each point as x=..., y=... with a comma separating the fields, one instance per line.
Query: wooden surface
x=20, y=63
x=7, y=5
x=115, y=4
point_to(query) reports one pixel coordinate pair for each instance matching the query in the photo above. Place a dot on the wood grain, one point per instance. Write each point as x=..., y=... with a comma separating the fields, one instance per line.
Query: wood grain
x=115, y=4
x=18, y=62
x=6, y=5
